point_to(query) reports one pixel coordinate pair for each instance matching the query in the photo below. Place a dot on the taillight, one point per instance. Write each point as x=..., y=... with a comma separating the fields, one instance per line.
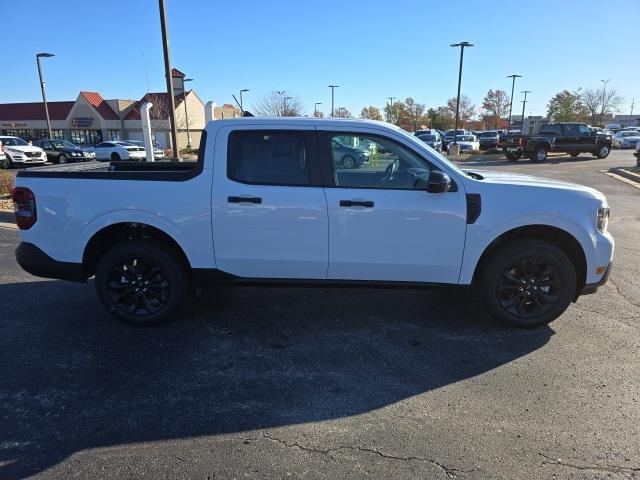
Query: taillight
x=522, y=141
x=24, y=206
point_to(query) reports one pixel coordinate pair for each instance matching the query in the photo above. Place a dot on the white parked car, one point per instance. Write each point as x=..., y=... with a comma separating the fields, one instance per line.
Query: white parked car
x=2, y=155
x=158, y=153
x=626, y=139
x=467, y=142
x=117, y=150
x=268, y=203
x=18, y=152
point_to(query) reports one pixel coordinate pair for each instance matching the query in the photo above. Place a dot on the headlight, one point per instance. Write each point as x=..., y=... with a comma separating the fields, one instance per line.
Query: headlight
x=603, y=219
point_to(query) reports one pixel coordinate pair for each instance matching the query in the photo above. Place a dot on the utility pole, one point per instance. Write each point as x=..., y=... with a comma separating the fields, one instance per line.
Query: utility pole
x=44, y=95
x=315, y=108
x=167, y=68
x=284, y=114
x=604, y=92
x=333, y=87
x=633, y=101
x=391, y=108
x=524, y=103
x=513, y=84
x=462, y=45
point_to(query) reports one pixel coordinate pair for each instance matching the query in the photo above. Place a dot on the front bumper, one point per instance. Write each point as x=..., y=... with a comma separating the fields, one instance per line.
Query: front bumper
x=36, y=262
x=590, y=288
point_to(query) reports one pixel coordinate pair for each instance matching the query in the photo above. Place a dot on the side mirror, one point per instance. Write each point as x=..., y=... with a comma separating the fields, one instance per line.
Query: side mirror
x=439, y=182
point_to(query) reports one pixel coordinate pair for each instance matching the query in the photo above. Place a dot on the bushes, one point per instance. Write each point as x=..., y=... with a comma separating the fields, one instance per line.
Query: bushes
x=6, y=183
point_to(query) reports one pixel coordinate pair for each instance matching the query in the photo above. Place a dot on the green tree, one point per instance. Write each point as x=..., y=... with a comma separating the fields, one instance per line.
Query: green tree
x=440, y=118
x=371, y=113
x=567, y=106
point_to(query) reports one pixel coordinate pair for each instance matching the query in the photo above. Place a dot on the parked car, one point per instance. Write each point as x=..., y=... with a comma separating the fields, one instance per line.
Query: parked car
x=18, y=152
x=571, y=138
x=637, y=153
x=448, y=137
x=467, y=143
x=348, y=157
x=489, y=139
x=626, y=139
x=3, y=157
x=265, y=204
x=425, y=131
x=158, y=152
x=432, y=139
x=62, y=151
x=119, y=150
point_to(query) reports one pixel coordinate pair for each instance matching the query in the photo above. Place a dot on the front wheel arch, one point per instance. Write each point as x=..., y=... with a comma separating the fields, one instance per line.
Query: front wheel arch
x=559, y=237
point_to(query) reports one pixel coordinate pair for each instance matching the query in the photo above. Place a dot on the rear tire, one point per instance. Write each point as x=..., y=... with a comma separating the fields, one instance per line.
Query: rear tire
x=527, y=283
x=115, y=157
x=539, y=154
x=62, y=159
x=142, y=281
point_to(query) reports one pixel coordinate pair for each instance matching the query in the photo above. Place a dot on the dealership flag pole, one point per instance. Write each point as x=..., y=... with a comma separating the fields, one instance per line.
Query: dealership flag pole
x=167, y=67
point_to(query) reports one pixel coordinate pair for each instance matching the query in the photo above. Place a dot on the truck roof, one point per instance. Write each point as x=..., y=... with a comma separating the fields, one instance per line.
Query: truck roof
x=325, y=122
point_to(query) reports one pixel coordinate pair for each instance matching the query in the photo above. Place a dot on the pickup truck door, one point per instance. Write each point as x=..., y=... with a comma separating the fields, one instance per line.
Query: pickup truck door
x=383, y=225
x=586, y=138
x=569, y=140
x=269, y=209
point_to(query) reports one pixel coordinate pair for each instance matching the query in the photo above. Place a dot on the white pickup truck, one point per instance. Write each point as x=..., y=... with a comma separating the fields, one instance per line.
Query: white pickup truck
x=268, y=202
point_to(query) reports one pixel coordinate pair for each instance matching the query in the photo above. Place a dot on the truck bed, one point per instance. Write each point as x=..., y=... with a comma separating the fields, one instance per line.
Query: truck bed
x=163, y=170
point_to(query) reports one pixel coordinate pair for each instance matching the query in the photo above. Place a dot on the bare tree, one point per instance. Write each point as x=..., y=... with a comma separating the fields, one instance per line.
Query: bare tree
x=599, y=106
x=342, y=112
x=467, y=108
x=279, y=104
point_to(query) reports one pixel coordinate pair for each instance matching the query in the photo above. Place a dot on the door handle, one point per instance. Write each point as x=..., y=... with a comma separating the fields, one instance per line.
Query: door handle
x=356, y=203
x=235, y=199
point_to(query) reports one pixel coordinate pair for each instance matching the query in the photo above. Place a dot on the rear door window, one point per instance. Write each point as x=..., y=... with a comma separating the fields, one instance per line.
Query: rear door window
x=269, y=158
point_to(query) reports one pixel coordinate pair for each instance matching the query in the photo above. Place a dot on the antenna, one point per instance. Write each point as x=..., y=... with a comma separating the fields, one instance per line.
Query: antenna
x=146, y=69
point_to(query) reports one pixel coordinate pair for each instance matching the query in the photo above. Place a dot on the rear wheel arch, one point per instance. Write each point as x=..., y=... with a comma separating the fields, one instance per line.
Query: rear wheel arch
x=106, y=238
x=562, y=239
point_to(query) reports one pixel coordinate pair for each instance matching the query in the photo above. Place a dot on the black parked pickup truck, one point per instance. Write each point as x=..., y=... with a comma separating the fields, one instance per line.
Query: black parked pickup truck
x=571, y=138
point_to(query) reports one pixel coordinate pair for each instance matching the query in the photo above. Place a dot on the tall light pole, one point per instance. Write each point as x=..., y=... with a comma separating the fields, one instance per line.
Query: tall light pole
x=333, y=88
x=284, y=113
x=241, y=92
x=315, y=108
x=513, y=84
x=44, y=95
x=340, y=110
x=604, y=92
x=524, y=103
x=462, y=46
x=167, y=73
x=186, y=114
x=391, y=99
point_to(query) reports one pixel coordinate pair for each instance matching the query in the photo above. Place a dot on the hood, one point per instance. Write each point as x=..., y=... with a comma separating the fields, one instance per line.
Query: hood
x=517, y=179
x=22, y=148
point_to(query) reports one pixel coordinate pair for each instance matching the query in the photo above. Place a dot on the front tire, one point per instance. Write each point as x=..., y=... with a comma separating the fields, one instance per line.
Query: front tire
x=602, y=152
x=7, y=163
x=539, y=154
x=62, y=159
x=348, y=161
x=142, y=281
x=115, y=157
x=513, y=156
x=527, y=283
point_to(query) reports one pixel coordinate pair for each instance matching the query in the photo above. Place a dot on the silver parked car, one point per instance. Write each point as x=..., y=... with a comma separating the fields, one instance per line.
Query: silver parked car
x=626, y=139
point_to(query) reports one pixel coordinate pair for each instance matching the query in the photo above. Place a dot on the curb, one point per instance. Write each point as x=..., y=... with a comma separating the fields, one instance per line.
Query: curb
x=634, y=177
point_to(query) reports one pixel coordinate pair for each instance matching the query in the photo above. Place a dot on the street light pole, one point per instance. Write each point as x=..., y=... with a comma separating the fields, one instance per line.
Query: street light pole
x=333, y=87
x=391, y=108
x=284, y=113
x=241, y=92
x=513, y=84
x=44, y=95
x=524, y=103
x=315, y=108
x=167, y=73
x=604, y=92
x=462, y=45
x=186, y=114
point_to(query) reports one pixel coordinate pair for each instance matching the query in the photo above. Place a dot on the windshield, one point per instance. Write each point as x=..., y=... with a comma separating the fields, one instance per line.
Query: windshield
x=630, y=134
x=466, y=138
x=427, y=138
x=64, y=144
x=13, y=142
x=488, y=134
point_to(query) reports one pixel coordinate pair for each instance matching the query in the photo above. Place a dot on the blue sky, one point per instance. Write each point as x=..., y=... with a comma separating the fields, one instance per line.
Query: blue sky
x=373, y=49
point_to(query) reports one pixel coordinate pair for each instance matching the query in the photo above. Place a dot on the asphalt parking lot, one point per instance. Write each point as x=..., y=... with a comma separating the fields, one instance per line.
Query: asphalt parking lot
x=327, y=383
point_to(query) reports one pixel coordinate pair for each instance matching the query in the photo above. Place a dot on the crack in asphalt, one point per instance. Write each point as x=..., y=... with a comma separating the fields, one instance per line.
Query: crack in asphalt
x=589, y=466
x=450, y=472
x=623, y=295
x=615, y=319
